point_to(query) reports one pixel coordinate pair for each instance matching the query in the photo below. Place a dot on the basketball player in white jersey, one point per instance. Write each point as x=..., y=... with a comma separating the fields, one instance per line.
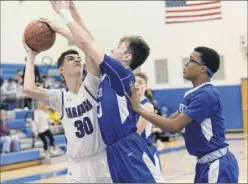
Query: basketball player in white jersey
x=78, y=108
x=144, y=127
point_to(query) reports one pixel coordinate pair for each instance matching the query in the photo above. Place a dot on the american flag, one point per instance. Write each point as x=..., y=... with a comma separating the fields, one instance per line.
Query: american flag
x=192, y=11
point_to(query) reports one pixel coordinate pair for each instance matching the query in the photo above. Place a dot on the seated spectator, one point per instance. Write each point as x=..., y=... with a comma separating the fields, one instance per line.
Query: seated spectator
x=19, y=76
x=38, y=81
x=54, y=115
x=40, y=125
x=20, y=96
x=8, y=90
x=1, y=81
x=5, y=138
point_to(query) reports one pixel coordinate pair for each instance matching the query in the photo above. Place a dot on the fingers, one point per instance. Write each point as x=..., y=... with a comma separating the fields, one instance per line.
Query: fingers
x=132, y=88
x=44, y=20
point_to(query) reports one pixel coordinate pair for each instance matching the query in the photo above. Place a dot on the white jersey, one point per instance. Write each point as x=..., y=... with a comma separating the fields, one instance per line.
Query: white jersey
x=41, y=120
x=79, y=118
x=148, y=130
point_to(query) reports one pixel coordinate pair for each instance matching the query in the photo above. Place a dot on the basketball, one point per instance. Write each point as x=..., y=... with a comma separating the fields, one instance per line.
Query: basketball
x=39, y=36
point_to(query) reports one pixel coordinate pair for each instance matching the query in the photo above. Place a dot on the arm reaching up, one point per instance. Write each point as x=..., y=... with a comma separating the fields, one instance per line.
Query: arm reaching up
x=52, y=98
x=81, y=37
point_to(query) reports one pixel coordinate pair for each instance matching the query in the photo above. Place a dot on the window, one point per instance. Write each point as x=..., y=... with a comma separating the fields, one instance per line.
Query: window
x=161, y=71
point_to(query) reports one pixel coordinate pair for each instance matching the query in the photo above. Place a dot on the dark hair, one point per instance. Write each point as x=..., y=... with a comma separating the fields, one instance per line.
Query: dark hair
x=209, y=57
x=139, y=50
x=147, y=93
x=60, y=61
x=141, y=75
x=11, y=80
x=18, y=70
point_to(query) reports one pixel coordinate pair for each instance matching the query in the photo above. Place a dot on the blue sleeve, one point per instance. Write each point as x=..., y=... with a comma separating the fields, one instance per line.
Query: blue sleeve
x=201, y=106
x=119, y=76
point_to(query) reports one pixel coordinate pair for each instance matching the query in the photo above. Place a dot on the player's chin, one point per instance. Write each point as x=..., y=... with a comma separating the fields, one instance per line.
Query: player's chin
x=185, y=76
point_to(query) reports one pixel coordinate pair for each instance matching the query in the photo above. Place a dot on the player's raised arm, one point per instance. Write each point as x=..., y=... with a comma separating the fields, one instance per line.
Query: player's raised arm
x=81, y=37
x=48, y=97
x=91, y=66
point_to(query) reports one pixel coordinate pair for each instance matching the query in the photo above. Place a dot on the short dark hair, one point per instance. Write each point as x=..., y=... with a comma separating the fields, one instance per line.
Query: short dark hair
x=141, y=75
x=60, y=61
x=139, y=49
x=209, y=57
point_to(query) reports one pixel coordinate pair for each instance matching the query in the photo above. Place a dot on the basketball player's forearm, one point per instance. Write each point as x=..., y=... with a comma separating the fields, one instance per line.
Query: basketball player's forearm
x=90, y=64
x=174, y=115
x=76, y=16
x=163, y=123
x=82, y=39
x=29, y=78
x=81, y=23
x=67, y=34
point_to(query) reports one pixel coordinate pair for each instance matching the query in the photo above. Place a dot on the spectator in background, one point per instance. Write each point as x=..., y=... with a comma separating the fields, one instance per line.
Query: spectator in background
x=54, y=116
x=1, y=81
x=38, y=80
x=36, y=71
x=40, y=125
x=156, y=108
x=5, y=138
x=150, y=96
x=19, y=76
x=20, y=97
x=8, y=90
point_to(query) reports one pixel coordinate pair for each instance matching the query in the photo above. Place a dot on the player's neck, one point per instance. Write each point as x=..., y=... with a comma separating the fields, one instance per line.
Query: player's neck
x=200, y=81
x=74, y=84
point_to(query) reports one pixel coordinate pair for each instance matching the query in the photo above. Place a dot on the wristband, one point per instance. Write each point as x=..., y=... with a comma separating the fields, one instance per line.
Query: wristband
x=66, y=15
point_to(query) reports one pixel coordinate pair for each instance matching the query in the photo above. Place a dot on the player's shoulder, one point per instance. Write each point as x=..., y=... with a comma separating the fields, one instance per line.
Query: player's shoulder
x=207, y=94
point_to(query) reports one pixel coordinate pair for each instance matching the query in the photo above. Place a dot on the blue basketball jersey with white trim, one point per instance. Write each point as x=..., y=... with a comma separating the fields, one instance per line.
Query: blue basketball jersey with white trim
x=206, y=133
x=146, y=134
x=118, y=119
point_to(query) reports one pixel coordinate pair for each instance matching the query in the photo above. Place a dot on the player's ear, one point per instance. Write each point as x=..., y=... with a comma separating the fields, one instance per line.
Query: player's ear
x=61, y=71
x=204, y=69
x=128, y=57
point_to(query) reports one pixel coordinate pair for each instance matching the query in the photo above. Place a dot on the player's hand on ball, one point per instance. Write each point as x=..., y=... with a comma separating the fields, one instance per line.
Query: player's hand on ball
x=59, y=5
x=28, y=49
x=54, y=26
x=134, y=99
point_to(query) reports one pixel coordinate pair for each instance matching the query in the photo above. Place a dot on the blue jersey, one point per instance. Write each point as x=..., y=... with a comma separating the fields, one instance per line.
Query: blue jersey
x=115, y=115
x=147, y=133
x=206, y=133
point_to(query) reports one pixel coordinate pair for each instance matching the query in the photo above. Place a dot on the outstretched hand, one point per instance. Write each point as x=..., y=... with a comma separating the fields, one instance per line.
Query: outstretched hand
x=134, y=99
x=53, y=25
x=28, y=49
x=59, y=5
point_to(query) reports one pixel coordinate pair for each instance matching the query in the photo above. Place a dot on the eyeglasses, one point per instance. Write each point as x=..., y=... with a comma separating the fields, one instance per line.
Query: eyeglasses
x=200, y=63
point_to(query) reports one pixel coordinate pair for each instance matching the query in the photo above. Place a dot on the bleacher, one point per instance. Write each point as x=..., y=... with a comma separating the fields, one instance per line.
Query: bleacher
x=9, y=70
x=19, y=124
x=31, y=148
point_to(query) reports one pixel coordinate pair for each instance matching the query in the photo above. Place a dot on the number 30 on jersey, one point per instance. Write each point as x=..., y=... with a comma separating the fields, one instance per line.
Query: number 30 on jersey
x=83, y=127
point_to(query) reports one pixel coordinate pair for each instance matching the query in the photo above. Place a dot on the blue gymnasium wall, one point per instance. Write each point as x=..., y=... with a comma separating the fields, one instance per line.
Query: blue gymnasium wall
x=9, y=70
x=230, y=96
